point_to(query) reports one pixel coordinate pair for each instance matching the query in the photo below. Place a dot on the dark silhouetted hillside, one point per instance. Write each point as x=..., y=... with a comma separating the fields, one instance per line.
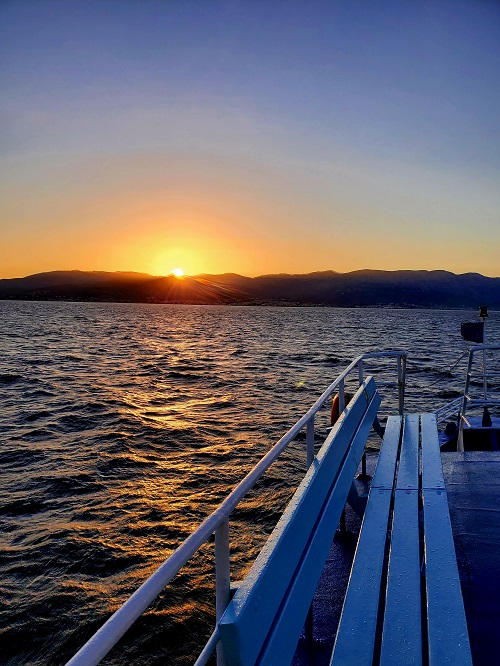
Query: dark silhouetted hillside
x=365, y=288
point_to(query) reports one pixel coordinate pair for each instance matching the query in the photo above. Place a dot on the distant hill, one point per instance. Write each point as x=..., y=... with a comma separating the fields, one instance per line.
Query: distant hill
x=365, y=288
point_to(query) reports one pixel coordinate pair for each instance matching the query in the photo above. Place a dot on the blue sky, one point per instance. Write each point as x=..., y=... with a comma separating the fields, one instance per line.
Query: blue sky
x=253, y=137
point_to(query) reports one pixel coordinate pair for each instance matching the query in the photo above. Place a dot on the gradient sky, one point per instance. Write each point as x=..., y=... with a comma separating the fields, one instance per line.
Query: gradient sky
x=249, y=137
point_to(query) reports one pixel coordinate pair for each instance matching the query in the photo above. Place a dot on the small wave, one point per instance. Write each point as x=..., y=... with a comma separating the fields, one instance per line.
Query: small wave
x=80, y=484
x=122, y=464
x=447, y=394
x=326, y=361
x=164, y=531
x=22, y=456
x=22, y=507
x=39, y=434
x=39, y=361
x=93, y=558
x=75, y=423
x=10, y=378
x=96, y=407
x=36, y=415
x=185, y=376
x=115, y=435
x=39, y=393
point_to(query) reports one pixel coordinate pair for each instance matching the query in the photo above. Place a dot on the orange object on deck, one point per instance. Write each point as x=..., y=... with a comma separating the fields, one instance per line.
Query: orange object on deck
x=335, y=413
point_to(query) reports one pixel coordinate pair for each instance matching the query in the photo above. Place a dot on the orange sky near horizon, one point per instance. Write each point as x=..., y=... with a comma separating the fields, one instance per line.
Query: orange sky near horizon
x=138, y=213
x=253, y=138
x=203, y=234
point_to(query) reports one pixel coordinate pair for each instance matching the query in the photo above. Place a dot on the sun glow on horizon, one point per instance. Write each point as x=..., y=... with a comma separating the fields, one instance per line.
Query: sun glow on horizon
x=178, y=272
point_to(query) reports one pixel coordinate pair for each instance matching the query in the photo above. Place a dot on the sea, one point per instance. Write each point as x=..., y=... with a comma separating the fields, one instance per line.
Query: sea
x=124, y=425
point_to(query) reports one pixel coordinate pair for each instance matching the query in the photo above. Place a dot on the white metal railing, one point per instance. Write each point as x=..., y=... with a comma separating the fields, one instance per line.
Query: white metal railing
x=468, y=400
x=451, y=409
x=218, y=522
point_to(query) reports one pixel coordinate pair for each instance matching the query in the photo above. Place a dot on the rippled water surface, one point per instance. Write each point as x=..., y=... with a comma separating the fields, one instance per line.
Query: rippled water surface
x=124, y=425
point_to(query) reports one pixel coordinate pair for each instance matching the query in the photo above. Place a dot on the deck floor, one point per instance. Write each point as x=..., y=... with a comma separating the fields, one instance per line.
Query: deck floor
x=473, y=485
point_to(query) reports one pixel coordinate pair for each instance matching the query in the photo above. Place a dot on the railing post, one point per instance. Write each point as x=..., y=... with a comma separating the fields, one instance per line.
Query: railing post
x=360, y=371
x=222, y=578
x=460, y=439
x=310, y=441
x=341, y=396
x=485, y=380
x=401, y=383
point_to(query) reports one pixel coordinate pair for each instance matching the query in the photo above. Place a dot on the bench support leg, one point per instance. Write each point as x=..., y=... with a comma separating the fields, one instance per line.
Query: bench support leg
x=342, y=526
x=356, y=501
x=309, y=634
x=363, y=475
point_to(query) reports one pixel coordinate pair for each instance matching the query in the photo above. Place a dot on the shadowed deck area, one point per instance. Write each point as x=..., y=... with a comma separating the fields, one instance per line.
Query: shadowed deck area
x=473, y=485
x=329, y=596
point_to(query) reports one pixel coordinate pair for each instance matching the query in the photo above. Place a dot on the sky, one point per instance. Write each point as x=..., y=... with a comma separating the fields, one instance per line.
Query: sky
x=249, y=137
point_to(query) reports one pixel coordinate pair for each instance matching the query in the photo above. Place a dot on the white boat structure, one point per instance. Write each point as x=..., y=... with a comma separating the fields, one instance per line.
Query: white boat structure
x=422, y=585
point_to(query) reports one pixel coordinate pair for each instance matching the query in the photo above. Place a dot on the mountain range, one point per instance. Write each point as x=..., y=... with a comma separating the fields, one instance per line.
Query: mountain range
x=362, y=288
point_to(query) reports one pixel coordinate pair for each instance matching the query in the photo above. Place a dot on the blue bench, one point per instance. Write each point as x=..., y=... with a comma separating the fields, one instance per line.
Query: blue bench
x=264, y=620
x=404, y=603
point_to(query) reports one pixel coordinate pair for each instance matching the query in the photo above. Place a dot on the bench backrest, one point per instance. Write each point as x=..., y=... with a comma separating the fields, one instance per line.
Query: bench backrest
x=263, y=622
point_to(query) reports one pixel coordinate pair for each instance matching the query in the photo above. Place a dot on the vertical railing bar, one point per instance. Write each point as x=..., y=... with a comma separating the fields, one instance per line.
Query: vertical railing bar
x=460, y=442
x=404, y=385
x=485, y=380
x=310, y=441
x=341, y=396
x=400, y=385
x=222, y=578
x=360, y=371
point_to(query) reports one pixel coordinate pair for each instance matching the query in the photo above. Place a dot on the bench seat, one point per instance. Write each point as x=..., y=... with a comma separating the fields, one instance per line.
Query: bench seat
x=404, y=603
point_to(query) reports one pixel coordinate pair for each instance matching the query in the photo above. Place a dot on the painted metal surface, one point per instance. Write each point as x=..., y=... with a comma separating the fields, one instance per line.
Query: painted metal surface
x=355, y=640
x=286, y=572
x=386, y=465
x=402, y=631
x=447, y=636
x=432, y=467
x=444, y=640
x=408, y=462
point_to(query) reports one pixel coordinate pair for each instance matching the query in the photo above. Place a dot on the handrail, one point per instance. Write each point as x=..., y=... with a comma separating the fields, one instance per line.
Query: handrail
x=113, y=629
x=451, y=408
x=466, y=397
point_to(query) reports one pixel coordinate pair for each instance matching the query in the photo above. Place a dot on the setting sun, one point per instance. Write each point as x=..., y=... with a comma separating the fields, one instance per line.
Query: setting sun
x=178, y=272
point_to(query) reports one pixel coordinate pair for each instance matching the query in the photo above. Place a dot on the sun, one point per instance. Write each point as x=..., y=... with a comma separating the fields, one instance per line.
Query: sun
x=178, y=272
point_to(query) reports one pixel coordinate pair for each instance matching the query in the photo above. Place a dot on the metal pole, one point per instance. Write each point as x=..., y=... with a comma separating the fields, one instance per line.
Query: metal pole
x=222, y=578
x=460, y=441
x=401, y=382
x=310, y=441
x=341, y=396
x=485, y=381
